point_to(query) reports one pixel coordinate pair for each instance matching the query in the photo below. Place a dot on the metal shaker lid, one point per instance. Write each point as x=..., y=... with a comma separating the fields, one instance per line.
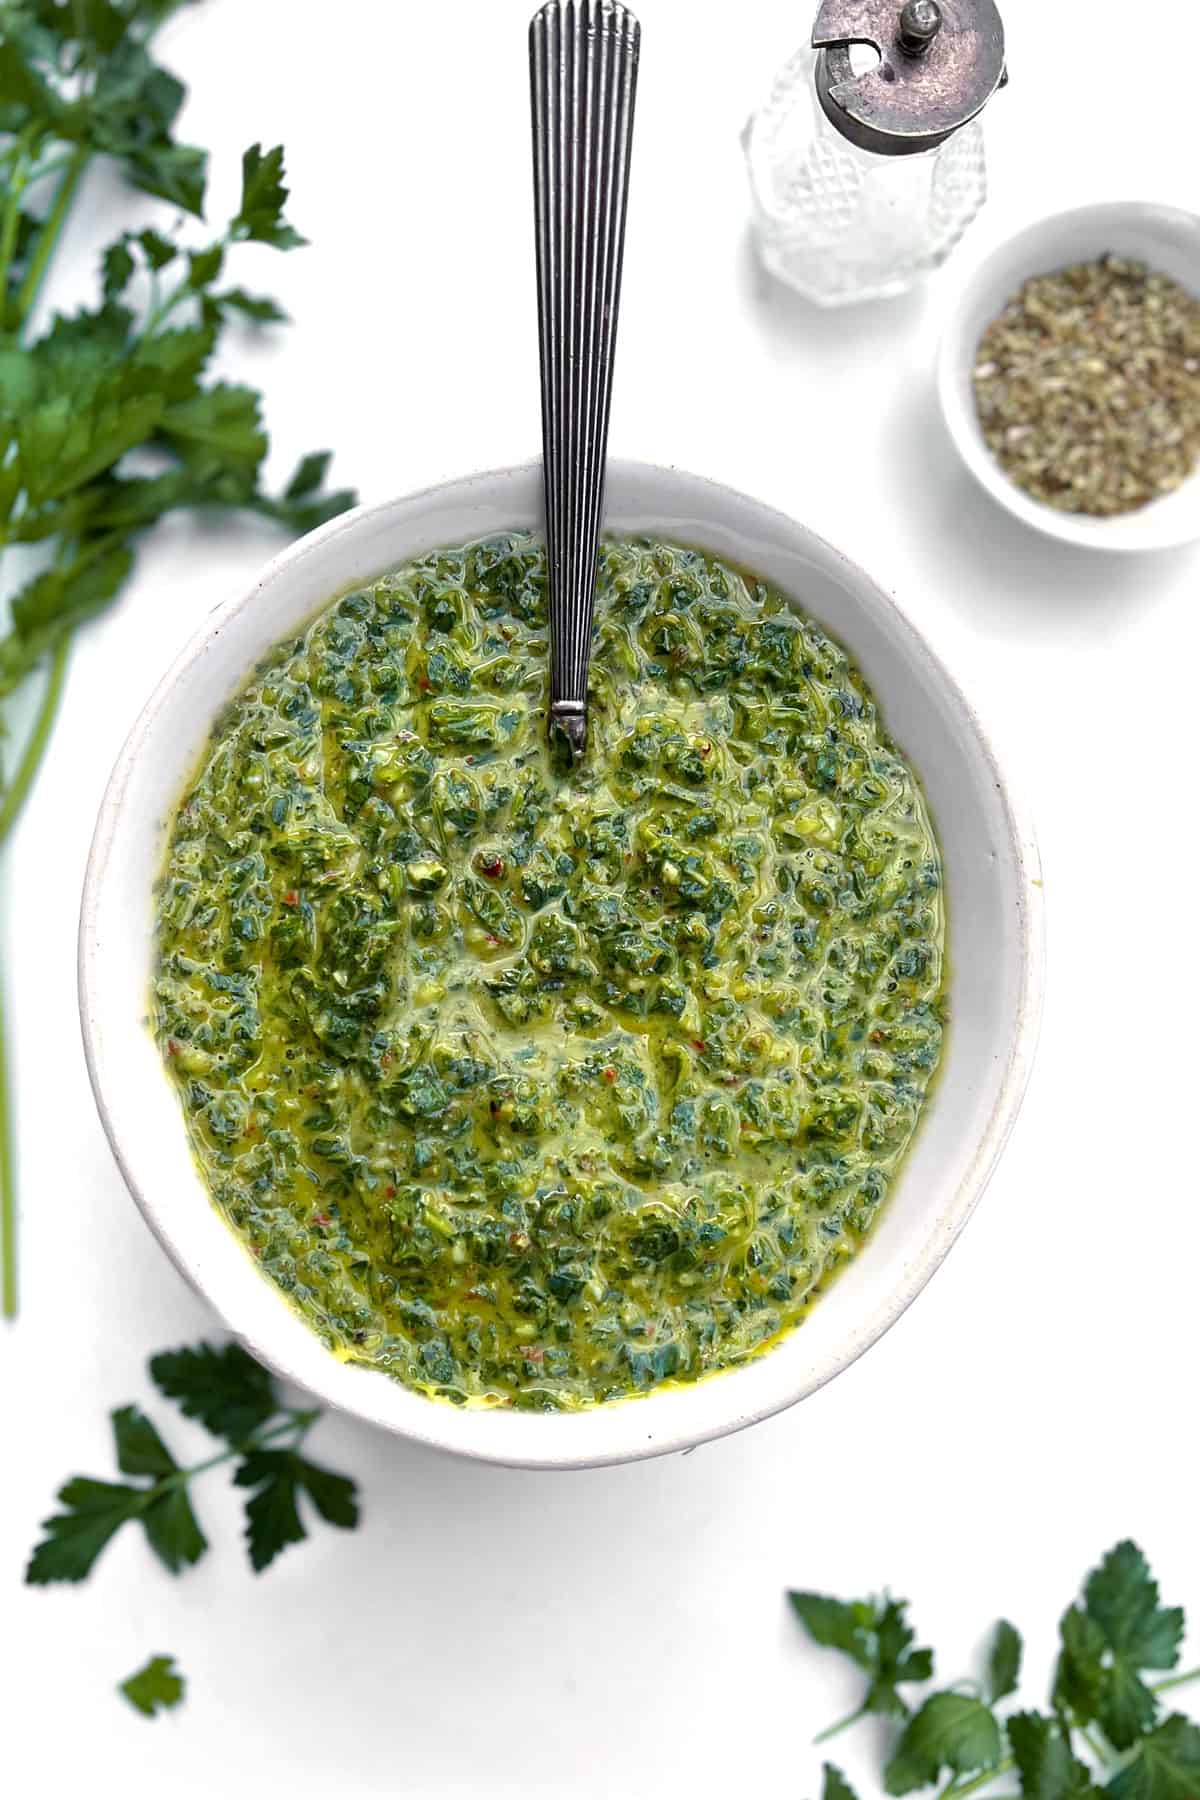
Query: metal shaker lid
x=940, y=63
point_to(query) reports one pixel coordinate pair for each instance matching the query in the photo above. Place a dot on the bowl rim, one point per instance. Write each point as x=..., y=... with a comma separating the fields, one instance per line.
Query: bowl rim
x=1020, y=845
x=1146, y=529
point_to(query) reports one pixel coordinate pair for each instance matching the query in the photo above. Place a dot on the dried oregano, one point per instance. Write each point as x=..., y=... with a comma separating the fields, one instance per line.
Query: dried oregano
x=1088, y=386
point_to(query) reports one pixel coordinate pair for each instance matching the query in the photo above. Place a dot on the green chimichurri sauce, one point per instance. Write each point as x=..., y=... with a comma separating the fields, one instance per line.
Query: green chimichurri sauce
x=540, y=1087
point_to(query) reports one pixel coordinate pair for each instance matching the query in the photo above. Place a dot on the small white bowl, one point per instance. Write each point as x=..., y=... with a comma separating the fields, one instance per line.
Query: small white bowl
x=994, y=901
x=1162, y=237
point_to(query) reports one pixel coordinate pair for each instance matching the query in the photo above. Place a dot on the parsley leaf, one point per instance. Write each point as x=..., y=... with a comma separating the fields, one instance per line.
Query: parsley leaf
x=98, y=1509
x=158, y=250
x=1004, y=1661
x=1045, y=1763
x=205, y=265
x=1079, y=1677
x=155, y=1688
x=117, y=268
x=173, y=1531
x=218, y=426
x=304, y=504
x=140, y=1450
x=1122, y=1597
x=224, y=1388
x=1120, y=1630
x=61, y=597
x=951, y=1731
x=258, y=307
x=834, y=1785
x=272, y=1514
x=260, y=216
x=74, y=1538
x=175, y=172
x=876, y=1636
x=1166, y=1766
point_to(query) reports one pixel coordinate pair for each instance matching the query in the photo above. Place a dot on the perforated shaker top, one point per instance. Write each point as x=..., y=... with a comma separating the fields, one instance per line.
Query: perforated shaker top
x=940, y=62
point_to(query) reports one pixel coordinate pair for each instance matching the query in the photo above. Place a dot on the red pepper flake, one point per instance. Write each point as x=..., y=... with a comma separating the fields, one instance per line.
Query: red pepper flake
x=610, y=1074
x=492, y=867
x=390, y=1191
x=493, y=1107
x=322, y=1219
x=706, y=749
x=649, y=1333
x=423, y=683
x=172, y=1046
x=491, y=938
x=533, y=1353
x=468, y=759
x=385, y=1060
x=699, y=1045
x=291, y=898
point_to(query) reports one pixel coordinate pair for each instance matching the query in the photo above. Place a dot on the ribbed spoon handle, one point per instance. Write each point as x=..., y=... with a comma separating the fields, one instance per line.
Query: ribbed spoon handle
x=583, y=57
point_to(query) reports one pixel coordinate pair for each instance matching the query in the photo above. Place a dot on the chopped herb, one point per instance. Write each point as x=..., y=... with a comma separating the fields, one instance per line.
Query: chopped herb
x=610, y=1069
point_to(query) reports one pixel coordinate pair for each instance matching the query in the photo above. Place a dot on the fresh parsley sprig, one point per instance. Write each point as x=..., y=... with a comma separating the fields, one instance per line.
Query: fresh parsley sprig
x=874, y=1634
x=235, y=1399
x=1103, y=1732
x=108, y=421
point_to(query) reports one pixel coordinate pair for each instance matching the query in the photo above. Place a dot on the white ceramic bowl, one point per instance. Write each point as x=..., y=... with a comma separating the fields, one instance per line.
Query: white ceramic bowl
x=1160, y=236
x=995, y=948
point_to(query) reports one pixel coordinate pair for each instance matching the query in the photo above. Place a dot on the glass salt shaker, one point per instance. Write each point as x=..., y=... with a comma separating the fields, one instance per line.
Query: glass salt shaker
x=866, y=162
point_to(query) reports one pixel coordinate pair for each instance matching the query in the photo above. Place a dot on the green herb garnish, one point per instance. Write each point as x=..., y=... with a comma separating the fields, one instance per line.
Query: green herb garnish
x=121, y=380
x=155, y=1688
x=874, y=1634
x=1103, y=1730
x=235, y=1399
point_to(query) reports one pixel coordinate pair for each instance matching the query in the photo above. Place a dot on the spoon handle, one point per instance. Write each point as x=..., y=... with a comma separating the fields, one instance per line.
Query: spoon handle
x=583, y=57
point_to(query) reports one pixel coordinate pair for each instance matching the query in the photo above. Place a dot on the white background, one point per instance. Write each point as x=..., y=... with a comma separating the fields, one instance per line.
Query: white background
x=624, y=1633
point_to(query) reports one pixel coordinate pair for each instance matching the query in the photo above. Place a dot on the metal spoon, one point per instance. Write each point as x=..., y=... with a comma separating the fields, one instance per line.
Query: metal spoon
x=583, y=57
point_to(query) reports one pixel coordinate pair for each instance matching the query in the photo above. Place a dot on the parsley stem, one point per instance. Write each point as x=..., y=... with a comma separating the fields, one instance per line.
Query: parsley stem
x=299, y=1422
x=8, y=1191
x=296, y=1421
x=14, y=799
x=158, y=315
x=957, y=1790
x=161, y=311
x=48, y=236
x=1096, y=1744
x=830, y=1731
x=17, y=183
x=1175, y=1681
x=35, y=745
